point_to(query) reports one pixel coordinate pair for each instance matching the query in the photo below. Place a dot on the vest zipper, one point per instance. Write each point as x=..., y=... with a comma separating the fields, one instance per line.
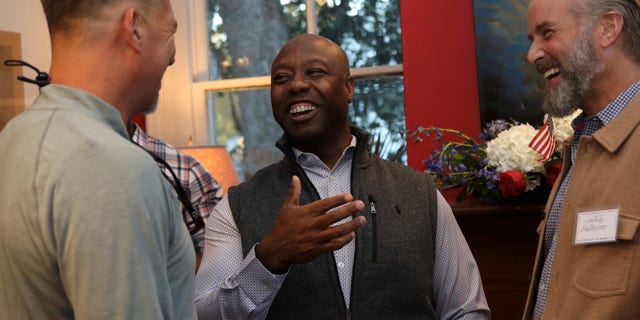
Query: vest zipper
x=374, y=226
x=348, y=315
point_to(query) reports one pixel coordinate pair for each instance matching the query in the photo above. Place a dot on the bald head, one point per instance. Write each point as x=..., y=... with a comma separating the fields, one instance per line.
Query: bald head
x=310, y=43
x=311, y=88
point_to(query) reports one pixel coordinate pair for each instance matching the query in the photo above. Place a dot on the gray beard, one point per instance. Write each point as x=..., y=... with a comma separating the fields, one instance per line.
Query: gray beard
x=583, y=66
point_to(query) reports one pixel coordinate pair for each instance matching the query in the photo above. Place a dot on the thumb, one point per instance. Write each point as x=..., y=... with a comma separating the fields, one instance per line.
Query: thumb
x=293, y=198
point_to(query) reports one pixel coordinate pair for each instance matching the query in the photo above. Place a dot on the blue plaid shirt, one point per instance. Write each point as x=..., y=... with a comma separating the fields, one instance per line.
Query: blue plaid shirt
x=201, y=188
x=584, y=126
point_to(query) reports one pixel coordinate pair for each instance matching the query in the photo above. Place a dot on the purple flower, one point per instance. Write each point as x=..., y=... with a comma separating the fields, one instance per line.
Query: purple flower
x=493, y=128
x=462, y=161
x=489, y=174
x=433, y=165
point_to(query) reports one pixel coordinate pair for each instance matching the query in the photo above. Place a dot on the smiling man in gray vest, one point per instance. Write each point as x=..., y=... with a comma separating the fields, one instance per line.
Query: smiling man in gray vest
x=333, y=231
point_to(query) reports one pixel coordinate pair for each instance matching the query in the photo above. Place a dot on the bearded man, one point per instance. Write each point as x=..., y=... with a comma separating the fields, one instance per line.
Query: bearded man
x=589, y=53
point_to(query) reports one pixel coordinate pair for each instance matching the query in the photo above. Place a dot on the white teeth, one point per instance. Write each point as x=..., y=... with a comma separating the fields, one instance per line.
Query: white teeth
x=551, y=73
x=302, y=108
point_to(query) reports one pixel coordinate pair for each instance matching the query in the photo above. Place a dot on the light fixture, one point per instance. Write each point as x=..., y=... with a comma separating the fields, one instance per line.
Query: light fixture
x=217, y=161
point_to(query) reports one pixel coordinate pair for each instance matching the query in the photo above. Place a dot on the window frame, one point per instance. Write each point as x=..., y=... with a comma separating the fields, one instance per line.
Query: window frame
x=183, y=106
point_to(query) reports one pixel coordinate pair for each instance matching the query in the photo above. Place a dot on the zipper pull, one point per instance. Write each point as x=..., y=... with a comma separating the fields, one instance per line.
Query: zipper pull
x=372, y=205
x=374, y=230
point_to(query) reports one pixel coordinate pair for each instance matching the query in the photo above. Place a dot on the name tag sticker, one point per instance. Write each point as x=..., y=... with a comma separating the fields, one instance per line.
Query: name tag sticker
x=597, y=226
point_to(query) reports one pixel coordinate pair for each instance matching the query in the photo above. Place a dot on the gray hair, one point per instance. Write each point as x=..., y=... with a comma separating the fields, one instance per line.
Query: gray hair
x=592, y=10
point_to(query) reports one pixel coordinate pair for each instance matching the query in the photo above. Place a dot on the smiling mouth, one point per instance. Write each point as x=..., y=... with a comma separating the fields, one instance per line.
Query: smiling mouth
x=552, y=73
x=302, y=109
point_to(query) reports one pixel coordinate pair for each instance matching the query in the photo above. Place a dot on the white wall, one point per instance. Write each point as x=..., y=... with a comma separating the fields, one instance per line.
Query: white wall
x=27, y=18
x=174, y=121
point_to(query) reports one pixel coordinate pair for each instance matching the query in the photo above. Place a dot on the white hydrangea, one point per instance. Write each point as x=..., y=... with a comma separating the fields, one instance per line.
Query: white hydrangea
x=510, y=150
x=562, y=129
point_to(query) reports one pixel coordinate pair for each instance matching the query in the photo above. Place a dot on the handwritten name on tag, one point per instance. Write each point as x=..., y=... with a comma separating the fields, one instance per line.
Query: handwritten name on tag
x=597, y=226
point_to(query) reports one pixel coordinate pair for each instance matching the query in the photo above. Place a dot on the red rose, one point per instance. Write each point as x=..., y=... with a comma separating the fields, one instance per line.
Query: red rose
x=552, y=173
x=511, y=183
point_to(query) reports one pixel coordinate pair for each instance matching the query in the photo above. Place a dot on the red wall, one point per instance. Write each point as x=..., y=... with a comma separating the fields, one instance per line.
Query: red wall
x=440, y=75
x=141, y=120
x=440, y=78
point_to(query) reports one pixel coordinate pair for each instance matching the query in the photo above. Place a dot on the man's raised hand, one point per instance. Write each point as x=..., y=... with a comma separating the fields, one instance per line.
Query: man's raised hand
x=302, y=233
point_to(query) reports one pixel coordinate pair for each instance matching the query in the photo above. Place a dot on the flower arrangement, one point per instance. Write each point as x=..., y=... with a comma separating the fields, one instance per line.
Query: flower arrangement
x=499, y=166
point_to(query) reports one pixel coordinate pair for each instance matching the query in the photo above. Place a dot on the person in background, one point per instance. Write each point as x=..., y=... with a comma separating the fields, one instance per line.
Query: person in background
x=332, y=231
x=201, y=190
x=587, y=262
x=89, y=227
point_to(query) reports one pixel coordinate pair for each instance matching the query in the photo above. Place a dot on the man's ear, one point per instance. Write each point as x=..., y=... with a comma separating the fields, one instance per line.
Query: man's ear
x=611, y=28
x=132, y=28
x=349, y=86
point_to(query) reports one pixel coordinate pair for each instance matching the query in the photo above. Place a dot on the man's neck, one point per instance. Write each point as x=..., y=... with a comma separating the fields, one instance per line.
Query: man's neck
x=619, y=75
x=329, y=153
x=131, y=128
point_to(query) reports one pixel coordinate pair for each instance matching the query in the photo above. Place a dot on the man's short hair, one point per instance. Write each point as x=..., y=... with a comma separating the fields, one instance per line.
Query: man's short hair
x=61, y=14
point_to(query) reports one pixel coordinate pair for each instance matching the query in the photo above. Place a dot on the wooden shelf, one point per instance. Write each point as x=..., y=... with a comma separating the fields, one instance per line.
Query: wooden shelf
x=503, y=239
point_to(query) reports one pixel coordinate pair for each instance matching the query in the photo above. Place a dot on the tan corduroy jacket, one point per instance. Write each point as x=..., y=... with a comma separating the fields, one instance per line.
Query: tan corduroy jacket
x=598, y=281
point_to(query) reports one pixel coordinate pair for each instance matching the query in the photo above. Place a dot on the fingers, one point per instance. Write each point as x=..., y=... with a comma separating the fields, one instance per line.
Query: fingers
x=337, y=243
x=339, y=213
x=324, y=205
x=337, y=236
x=333, y=238
x=317, y=207
x=293, y=198
x=302, y=233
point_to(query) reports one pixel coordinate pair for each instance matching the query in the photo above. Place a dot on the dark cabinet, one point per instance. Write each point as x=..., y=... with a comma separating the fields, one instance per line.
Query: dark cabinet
x=503, y=239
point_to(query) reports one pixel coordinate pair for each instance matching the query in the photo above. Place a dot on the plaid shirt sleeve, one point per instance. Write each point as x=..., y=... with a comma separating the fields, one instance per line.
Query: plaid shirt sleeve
x=202, y=189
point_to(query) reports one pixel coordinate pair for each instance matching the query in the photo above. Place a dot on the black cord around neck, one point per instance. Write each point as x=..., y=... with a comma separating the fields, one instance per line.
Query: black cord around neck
x=196, y=219
x=42, y=79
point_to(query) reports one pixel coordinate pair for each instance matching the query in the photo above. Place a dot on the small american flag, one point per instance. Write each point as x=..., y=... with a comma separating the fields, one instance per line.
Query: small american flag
x=543, y=142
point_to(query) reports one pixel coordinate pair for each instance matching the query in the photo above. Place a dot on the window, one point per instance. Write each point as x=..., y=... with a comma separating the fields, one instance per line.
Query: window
x=232, y=78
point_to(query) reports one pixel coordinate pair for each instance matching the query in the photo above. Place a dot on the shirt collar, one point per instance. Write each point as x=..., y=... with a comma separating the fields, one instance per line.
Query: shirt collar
x=139, y=137
x=66, y=97
x=347, y=153
x=606, y=115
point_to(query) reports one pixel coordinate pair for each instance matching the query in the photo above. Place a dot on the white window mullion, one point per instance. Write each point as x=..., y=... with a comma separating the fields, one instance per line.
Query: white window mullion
x=199, y=35
x=312, y=21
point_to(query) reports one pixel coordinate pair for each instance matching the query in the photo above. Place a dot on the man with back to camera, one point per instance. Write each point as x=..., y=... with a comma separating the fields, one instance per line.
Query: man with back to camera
x=89, y=227
x=587, y=262
x=332, y=231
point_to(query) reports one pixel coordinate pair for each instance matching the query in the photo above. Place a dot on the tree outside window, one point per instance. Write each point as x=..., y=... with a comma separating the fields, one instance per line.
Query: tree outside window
x=245, y=36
